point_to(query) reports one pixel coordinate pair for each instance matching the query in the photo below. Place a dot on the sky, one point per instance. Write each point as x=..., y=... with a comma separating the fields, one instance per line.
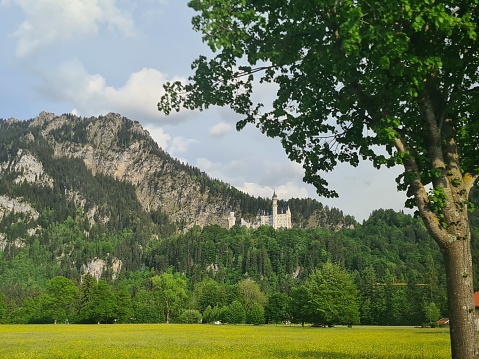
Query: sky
x=92, y=57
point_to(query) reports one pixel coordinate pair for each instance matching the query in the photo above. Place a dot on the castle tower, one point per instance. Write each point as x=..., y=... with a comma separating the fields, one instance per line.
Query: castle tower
x=275, y=210
x=288, y=218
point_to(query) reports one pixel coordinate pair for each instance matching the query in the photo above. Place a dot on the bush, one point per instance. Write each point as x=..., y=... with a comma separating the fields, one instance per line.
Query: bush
x=211, y=315
x=236, y=313
x=255, y=315
x=190, y=316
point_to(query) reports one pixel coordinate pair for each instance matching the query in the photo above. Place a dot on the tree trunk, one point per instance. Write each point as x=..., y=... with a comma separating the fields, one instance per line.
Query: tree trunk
x=445, y=215
x=460, y=292
x=167, y=311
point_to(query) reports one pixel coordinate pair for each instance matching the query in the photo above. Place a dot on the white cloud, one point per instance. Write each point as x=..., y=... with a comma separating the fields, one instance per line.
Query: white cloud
x=90, y=95
x=50, y=21
x=244, y=176
x=160, y=137
x=221, y=129
x=159, y=2
x=291, y=190
x=204, y=164
x=276, y=172
x=284, y=191
x=180, y=144
x=152, y=10
x=237, y=166
x=218, y=170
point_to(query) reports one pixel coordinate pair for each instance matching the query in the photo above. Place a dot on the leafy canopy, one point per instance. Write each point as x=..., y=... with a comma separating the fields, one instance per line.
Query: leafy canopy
x=332, y=296
x=353, y=78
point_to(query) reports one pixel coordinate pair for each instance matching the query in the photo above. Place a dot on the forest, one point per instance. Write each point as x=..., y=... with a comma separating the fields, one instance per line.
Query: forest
x=393, y=270
x=157, y=271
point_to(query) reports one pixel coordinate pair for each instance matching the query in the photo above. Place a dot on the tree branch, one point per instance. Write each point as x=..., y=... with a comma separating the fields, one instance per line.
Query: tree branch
x=416, y=188
x=432, y=136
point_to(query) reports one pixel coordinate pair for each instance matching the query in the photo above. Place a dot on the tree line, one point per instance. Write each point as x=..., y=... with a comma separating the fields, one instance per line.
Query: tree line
x=389, y=256
x=168, y=297
x=395, y=269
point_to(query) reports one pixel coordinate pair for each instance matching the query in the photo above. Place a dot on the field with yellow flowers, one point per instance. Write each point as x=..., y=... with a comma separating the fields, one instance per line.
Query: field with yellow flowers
x=220, y=341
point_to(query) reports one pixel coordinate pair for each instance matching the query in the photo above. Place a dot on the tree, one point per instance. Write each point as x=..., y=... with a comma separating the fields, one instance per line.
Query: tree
x=251, y=293
x=236, y=313
x=102, y=305
x=431, y=312
x=170, y=290
x=277, y=308
x=3, y=308
x=146, y=308
x=332, y=296
x=63, y=294
x=255, y=315
x=124, y=305
x=28, y=312
x=390, y=82
x=209, y=293
x=85, y=296
x=299, y=305
x=97, y=301
x=208, y=315
x=190, y=316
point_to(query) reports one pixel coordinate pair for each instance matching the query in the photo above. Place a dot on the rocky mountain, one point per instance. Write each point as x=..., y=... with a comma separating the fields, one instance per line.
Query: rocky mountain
x=116, y=147
x=95, y=191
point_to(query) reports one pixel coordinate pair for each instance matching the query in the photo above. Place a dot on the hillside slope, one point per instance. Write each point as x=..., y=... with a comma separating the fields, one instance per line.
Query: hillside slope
x=93, y=192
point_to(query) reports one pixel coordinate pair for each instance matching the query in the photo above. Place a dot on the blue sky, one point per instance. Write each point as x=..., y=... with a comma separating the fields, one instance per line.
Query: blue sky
x=91, y=57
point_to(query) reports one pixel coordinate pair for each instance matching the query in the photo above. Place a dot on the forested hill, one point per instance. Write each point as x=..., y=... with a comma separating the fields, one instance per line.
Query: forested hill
x=63, y=151
x=98, y=196
x=95, y=191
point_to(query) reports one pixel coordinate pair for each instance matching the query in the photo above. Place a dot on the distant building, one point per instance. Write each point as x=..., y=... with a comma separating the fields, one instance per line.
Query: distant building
x=443, y=322
x=278, y=217
x=476, y=306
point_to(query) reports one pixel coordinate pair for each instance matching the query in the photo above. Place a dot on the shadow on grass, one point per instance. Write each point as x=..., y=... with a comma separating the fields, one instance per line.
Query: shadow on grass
x=335, y=355
x=319, y=355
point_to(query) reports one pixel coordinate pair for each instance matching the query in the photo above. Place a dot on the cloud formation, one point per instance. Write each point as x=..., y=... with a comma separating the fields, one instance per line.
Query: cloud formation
x=180, y=144
x=50, y=21
x=159, y=136
x=285, y=191
x=91, y=95
x=221, y=129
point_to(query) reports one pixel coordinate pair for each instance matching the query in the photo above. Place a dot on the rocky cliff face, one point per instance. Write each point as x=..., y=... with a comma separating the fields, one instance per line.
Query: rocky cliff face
x=160, y=184
x=39, y=163
x=90, y=195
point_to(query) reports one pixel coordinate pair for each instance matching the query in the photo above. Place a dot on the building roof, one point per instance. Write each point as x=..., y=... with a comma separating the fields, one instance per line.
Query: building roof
x=476, y=299
x=443, y=321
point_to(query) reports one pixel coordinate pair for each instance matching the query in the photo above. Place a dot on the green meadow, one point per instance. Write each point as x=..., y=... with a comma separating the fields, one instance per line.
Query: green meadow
x=220, y=341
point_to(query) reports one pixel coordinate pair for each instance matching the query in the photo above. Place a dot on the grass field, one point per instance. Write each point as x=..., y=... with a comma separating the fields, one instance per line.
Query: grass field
x=220, y=341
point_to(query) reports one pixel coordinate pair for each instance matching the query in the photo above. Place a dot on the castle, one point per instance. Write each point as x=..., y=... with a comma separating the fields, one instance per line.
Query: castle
x=278, y=217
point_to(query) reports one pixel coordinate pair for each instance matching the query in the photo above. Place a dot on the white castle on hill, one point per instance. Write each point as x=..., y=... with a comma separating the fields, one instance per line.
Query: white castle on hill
x=278, y=217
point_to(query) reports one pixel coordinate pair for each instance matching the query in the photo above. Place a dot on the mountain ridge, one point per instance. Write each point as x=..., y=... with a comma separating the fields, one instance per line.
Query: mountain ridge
x=120, y=148
x=103, y=180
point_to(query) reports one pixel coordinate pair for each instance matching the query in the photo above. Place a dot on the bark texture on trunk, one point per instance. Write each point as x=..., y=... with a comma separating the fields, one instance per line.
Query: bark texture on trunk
x=443, y=210
x=460, y=292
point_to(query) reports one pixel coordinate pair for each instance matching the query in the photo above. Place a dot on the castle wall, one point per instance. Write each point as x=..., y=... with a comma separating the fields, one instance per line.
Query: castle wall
x=275, y=219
